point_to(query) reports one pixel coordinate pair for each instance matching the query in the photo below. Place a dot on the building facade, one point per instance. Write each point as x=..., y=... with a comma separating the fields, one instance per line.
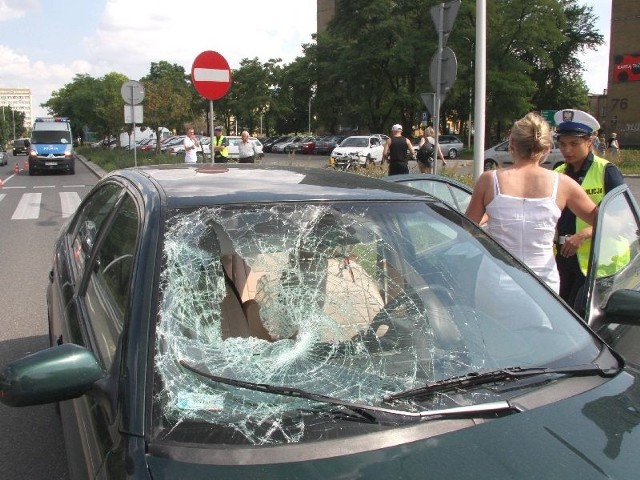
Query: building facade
x=19, y=99
x=621, y=110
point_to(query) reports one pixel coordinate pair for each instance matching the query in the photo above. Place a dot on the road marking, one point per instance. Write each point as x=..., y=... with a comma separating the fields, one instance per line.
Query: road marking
x=2, y=195
x=28, y=207
x=13, y=188
x=69, y=202
x=44, y=186
x=73, y=186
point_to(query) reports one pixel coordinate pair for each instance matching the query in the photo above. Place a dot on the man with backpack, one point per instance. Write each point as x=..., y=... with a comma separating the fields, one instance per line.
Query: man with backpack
x=426, y=152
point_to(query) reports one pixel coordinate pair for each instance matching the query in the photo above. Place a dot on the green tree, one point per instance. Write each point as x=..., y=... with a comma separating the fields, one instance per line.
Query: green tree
x=9, y=120
x=169, y=98
x=374, y=58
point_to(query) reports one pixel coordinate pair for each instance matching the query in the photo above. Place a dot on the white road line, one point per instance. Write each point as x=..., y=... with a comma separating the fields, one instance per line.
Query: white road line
x=13, y=188
x=28, y=207
x=73, y=186
x=69, y=202
x=2, y=195
x=44, y=186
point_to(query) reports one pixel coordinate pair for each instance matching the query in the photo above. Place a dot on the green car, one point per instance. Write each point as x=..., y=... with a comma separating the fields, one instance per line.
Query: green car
x=254, y=322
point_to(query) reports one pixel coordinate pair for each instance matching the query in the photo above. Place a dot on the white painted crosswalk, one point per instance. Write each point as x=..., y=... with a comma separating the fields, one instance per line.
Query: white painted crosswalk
x=30, y=204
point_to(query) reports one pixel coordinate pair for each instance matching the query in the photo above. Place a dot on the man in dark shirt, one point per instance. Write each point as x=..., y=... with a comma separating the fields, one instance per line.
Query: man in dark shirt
x=597, y=176
x=396, y=151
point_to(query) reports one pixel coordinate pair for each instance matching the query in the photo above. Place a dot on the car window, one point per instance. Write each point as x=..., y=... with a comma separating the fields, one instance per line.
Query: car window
x=89, y=220
x=109, y=283
x=352, y=301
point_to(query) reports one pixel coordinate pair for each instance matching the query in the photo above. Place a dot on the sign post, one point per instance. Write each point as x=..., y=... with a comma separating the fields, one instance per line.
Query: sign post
x=132, y=93
x=211, y=77
x=444, y=66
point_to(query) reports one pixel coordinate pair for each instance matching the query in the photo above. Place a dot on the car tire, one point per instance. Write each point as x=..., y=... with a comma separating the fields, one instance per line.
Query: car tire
x=490, y=164
x=453, y=153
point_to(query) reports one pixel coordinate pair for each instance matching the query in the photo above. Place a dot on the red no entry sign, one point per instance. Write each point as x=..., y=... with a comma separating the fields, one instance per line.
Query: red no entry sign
x=211, y=75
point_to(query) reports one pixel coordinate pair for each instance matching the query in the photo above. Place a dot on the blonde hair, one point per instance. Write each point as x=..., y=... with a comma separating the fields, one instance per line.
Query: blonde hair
x=531, y=137
x=430, y=132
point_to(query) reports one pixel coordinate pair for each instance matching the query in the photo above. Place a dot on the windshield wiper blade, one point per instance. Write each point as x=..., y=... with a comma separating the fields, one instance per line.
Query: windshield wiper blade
x=481, y=378
x=369, y=412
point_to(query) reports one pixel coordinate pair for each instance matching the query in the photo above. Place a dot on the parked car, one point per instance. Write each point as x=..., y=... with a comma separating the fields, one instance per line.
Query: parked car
x=368, y=147
x=268, y=143
x=455, y=193
x=234, y=321
x=3, y=155
x=284, y=146
x=307, y=146
x=19, y=147
x=325, y=145
x=451, y=146
x=498, y=156
x=233, y=147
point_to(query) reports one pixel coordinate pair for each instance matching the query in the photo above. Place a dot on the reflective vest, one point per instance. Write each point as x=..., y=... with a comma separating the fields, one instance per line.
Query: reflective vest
x=593, y=185
x=218, y=141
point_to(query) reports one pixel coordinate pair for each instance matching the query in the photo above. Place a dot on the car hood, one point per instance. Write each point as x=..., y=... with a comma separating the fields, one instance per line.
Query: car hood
x=589, y=436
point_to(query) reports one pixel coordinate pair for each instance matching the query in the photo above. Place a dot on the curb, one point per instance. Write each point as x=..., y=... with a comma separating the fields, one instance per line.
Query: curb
x=95, y=169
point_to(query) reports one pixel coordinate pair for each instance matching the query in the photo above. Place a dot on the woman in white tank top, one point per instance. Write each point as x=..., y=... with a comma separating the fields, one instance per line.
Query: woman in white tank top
x=522, y=203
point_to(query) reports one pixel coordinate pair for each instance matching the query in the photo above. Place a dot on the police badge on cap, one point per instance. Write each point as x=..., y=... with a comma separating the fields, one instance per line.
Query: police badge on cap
x=575, y=123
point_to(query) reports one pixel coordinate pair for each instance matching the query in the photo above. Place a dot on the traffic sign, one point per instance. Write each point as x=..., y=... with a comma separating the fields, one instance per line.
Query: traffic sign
x=548, y=115
x=448, y=73
x=211, y=75
x=132, y=92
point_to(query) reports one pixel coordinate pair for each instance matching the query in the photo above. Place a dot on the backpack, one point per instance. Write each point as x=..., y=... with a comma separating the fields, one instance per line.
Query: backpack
x=425, y=152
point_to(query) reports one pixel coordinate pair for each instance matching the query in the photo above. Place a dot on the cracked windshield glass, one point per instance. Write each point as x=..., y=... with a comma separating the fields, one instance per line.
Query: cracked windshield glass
x=349, y=301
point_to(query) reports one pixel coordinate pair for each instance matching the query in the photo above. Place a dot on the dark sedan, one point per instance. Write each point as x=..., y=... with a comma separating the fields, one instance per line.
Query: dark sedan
x=451, y=191
x=243, y=322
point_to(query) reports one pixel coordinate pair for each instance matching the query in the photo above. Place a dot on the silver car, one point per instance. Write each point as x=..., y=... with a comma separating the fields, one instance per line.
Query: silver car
x=499, y=156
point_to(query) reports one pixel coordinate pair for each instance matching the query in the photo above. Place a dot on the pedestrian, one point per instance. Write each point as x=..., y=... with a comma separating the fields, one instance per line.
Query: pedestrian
x=597, y=176
x=219, y=145
x=614, y=144
x=246, y=149
x=523, y=202
x=426, y=165
x=397, y=150
x=191, y=146
x=603, y=147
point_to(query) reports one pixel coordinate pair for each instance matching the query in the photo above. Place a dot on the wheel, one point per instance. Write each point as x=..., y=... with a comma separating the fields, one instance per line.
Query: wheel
x=369, y=161
x=490, y=164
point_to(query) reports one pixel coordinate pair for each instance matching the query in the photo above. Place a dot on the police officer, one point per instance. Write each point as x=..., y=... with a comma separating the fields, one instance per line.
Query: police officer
x=219, y=145
x=597, y=176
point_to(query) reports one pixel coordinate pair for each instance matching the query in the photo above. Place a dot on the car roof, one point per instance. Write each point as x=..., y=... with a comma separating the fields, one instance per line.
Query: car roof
x=203, y=185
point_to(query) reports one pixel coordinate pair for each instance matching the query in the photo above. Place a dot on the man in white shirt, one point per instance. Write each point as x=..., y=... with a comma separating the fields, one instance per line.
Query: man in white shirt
x=246, y=149
x=191, y=146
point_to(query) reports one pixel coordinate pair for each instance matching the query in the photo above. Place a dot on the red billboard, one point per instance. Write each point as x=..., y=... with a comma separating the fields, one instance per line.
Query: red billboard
x=626, y=68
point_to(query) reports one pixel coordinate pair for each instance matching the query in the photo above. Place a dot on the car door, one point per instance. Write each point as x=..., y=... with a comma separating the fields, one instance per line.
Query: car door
x=376, y=149
x=103, y=247
x=615, y=265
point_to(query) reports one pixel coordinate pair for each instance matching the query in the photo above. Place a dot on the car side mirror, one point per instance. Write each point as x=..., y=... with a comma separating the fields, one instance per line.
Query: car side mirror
x=623, y=307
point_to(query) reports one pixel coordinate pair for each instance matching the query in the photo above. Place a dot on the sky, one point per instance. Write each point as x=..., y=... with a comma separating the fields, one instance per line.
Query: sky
x=45, y=43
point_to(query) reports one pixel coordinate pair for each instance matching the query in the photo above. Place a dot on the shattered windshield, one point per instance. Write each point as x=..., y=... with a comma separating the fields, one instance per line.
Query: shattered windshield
x=352, y=301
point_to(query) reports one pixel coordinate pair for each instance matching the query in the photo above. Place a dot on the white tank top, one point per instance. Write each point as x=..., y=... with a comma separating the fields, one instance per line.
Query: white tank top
x=526, y=228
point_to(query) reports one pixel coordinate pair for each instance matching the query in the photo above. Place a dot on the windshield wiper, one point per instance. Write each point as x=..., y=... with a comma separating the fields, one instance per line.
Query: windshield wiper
x=369, y=412
x=481, y=378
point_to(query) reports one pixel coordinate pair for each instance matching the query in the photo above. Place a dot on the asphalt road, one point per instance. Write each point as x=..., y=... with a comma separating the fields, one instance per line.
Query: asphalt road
x=31, y=444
